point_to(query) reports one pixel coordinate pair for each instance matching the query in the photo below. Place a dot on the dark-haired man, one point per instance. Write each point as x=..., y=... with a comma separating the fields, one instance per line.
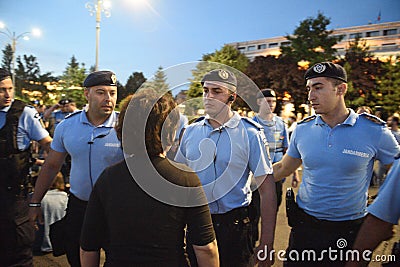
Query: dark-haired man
x=19, y=124
x=337, y=148
x=88, y=137
x=223, y=148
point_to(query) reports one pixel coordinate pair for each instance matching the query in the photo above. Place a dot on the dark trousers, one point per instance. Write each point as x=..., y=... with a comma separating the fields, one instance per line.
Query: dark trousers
x=74, y=220
x=16, y=232
x=234, y=237
x=320, y=239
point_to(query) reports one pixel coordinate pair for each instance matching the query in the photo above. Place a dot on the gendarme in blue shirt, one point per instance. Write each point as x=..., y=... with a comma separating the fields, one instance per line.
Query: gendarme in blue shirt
x=29, y=126
x=387, y=205
x=223, y=158
x=92, y=149
x=338, y=163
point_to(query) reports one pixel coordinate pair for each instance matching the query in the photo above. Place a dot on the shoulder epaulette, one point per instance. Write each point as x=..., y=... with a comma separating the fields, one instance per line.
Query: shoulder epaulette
x=309, y=118
x=373, y=118
x=73, y=114
x=196, y=119
x=252, y=122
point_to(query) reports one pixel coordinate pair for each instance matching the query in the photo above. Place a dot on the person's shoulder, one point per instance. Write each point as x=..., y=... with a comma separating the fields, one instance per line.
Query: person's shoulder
x=72, y=115
x=251, y=123
x=372, y=119
x=307, y=120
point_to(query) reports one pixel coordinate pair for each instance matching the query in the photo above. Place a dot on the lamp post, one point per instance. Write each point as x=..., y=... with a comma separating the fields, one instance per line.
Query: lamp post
x=97, y=8
x=14, y=38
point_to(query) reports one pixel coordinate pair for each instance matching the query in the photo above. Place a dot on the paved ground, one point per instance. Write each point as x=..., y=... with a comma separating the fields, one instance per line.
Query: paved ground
x=281, y=239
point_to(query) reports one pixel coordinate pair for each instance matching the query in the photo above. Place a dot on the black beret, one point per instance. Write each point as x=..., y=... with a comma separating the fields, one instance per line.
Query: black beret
x=65, y=101
x=4, y=74
x=103, y=77
x=220, y=75
x=326, y=69
x=266, y=93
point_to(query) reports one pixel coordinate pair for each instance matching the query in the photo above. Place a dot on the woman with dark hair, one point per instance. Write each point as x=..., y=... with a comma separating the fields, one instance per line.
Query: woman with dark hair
x=126, y=217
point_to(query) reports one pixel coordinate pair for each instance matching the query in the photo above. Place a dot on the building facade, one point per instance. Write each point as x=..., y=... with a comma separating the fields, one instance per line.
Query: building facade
x=383, y=40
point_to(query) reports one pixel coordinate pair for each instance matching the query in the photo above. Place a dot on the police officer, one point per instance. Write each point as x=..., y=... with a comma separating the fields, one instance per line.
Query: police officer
x=384, y=212
x=89, y=138
x=337, y=148
x=19, y=124
x=223, y=148
x=275, y=130
x=66, y=106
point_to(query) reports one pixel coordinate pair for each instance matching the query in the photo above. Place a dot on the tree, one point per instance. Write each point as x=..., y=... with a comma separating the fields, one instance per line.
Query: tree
x=311, y=41
x=388, y=87
x=73, y=74
x=133, y=83
x=6, y=62
x=362, y=71
x=281, y=74
x=158, y=82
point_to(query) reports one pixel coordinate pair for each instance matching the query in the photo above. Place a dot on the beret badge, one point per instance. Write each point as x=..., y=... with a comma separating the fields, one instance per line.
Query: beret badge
x=223, y=74
x=114, y=78
x=319, y=68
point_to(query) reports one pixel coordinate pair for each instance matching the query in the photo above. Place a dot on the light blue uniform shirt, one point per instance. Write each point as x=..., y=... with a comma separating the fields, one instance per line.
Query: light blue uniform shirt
x=226, y=155
x=387, y=205
x=30, y=126
x=59, y=116
x=73, y=136
x=277, y=136
x=338, y=163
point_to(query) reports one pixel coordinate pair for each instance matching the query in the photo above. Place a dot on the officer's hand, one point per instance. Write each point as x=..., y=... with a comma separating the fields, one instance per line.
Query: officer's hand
x=295, y=180
x=264, y=256
x=35, y=217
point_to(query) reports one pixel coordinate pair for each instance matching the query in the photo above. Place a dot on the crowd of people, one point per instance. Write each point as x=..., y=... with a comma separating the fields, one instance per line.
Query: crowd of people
x=151, y=189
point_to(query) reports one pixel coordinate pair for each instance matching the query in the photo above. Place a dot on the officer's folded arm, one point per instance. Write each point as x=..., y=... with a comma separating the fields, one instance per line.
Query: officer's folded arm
x=285, y=167
x=207, y=255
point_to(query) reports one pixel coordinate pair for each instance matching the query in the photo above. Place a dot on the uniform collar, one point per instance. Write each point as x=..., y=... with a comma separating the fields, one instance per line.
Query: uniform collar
x=231, y=123
x=350, y=120
x=110, y=122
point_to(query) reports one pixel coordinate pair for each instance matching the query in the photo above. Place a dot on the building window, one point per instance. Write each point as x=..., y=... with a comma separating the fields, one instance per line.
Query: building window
x=355, y=35
x=390, y=32
x=287, y=43
x=273, y=45
x=251, y=48
x=372, y=34
x=242, y=49
x=262, y=46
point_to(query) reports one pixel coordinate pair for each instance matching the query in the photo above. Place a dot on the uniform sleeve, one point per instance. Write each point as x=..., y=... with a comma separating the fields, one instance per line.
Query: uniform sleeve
x=259, y=162
x=30, y=118
x=387, y=205
x=57, y=144
x=292, y=150
x=93, y=234
x=388, y=147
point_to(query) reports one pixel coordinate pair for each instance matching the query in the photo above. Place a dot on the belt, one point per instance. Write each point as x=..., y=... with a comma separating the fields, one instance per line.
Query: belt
x=310, y=221
x=236, y=216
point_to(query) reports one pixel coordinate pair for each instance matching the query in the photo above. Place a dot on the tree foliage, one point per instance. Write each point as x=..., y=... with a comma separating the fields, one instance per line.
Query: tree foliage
x=388, y=87
x=73, y=75
x=311, y=41
x=6, y=61
x=133, y=83
x=158, y=82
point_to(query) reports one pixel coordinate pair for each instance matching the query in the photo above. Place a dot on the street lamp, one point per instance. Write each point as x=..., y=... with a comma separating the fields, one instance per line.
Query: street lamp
x=100, y=6
x=14, y=38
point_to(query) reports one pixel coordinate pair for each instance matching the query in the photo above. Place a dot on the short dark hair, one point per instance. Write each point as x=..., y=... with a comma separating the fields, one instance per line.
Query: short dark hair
x=161, y=121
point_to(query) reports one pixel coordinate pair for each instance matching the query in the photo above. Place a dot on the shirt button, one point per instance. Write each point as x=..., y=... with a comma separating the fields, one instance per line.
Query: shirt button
x=330, y=145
